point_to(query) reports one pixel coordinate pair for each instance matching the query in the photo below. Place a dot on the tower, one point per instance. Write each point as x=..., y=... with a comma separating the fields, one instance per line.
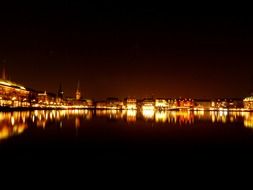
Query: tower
x=60, y=92
x=78, y=93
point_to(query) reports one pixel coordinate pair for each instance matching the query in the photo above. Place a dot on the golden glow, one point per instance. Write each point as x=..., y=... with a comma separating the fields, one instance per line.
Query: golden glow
x=248, y=121
x=4, y=132
x=77, y=122
x=161, y=116
x=248, y=103
x=112, y=114
x=10, y=84
x=181, y=117
x=161, y=103
x=12, y=120
x=148, y=107
x=131, y=106
x=12, y=124
x=148, y=113
x=16, y=122
x=131, y=115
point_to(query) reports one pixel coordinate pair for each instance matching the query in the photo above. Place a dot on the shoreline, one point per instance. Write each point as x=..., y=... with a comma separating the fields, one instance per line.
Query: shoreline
x=10, y=109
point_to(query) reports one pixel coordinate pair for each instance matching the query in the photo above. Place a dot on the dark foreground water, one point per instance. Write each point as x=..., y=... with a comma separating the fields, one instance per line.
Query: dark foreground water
x=86, y=135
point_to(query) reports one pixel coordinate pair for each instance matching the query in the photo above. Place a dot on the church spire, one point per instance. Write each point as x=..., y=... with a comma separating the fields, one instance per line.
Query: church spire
x=78, y=93
x=60, y=92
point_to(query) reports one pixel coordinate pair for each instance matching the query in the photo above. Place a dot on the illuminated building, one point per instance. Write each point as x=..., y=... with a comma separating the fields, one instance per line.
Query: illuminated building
x=171, y=103
x=148, y=104
x=13, y=94
x=220, y=104
x=185, y=103
x=248, y=102
x=42, y=98
x=131, y=104
x=88, y=103
x=202, y=104
x=161, y=104
x=114, y=103
x=101, y=105
x=46, y=100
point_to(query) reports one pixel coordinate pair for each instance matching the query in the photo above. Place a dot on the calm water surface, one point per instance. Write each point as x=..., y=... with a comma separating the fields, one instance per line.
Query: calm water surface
x=103, y=134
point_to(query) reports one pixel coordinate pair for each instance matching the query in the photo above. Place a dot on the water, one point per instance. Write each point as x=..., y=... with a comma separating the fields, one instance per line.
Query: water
x=124, y=135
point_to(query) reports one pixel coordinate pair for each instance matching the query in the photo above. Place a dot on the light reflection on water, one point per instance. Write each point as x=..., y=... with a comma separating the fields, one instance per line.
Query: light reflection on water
x=14, y=123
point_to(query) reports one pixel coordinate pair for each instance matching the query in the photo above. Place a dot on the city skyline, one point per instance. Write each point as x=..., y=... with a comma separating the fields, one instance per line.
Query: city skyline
x=78, y=92
x=125, y=50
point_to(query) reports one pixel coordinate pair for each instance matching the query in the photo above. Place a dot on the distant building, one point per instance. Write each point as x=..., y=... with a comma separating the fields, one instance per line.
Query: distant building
x=185, y=103
x=45, y=99
x=131, y=104
x=42, y=98
x=172, y=103
x=101, y=105
x=226, y=103
x=148, y=104
x=88, y=103
x=114, y=103
x=202, y=104
x=248, y=102
x=161, y=103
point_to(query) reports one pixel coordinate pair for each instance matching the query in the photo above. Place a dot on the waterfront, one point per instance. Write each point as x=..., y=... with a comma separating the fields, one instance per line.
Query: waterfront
x=115, y=134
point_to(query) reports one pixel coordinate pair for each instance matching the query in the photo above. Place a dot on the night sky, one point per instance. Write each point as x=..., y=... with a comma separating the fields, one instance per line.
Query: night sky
x=120, y=50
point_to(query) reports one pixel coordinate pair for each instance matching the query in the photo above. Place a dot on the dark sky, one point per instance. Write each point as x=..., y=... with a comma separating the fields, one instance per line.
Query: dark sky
x=120, y=50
